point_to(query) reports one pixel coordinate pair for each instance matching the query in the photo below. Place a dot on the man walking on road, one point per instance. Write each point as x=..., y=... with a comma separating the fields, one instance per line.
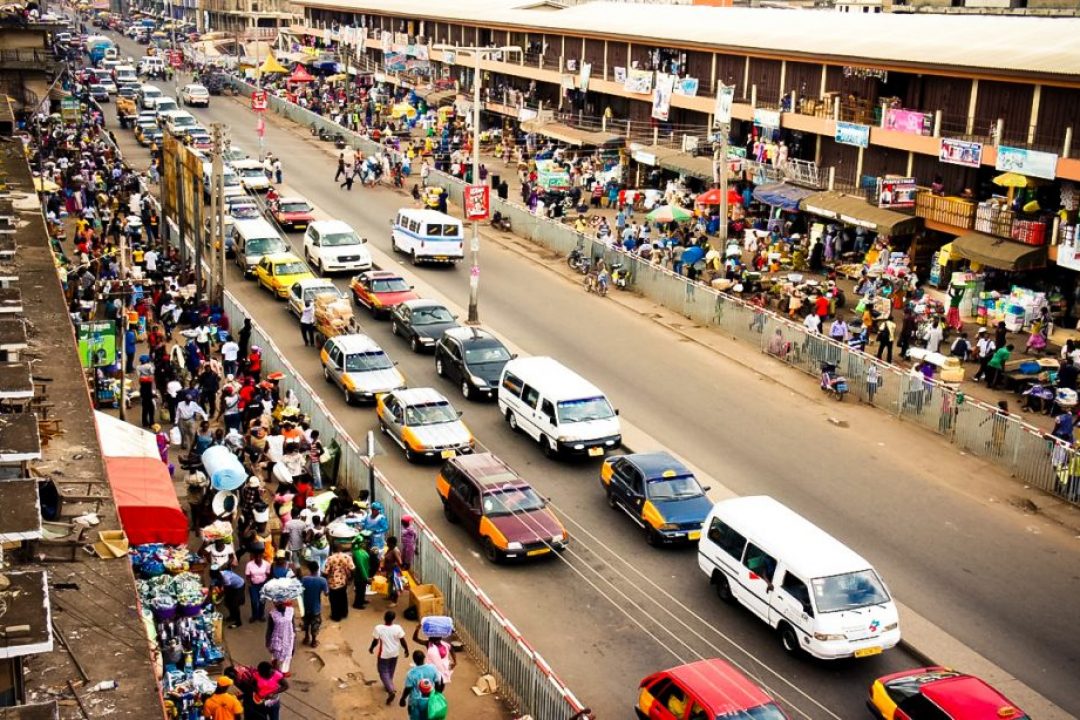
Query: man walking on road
x=389, y=638
x=315, y=587
x=338, y=571
x=307, y=324
x=340, y=167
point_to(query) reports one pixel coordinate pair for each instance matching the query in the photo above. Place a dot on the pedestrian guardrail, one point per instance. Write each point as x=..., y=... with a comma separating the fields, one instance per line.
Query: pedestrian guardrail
x=1027, y=453
x=527, y=683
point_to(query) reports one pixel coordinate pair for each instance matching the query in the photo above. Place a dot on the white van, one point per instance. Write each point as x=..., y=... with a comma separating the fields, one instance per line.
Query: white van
x=152, y=64
x=333, y=246
x=820, y=596
x=125, y=74
x=148, y=95
x=252, y=239
x=558, y=408
x=427, y=236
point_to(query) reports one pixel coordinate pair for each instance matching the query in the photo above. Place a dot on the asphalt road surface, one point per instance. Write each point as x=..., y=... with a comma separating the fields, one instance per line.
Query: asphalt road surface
x=613, y=609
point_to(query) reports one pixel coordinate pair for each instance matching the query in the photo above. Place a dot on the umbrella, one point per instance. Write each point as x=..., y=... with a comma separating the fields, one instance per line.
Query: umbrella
x=43, y=185
x=692, y=254
x=669, y=213
x=1012, y=180
x=300, y=75
x=271, y=65
x=710, y=197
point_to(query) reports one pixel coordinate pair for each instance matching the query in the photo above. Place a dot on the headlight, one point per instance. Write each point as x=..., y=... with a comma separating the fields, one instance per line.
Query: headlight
x=514, y=546
x=828, y=636
x=427, y=340
x=891, y=626
x=478, y=381
x=669, y=526
x=556, y=539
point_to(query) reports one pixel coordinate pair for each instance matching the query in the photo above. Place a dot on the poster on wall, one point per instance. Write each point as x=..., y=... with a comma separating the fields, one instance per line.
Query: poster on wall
x=661, y=99
x=896, y=192
x=686, y=86
x=725, y=95
x=909, y=121
x=1026, y=162
x=767, y=118
x=387, y=40
x=638, y=82
x=960, y=152
x=583, y=76
x=394, y=62
x=620, y=75
x=852, y=134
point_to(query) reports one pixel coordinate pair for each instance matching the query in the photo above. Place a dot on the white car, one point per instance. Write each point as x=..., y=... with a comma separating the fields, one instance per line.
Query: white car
x=252, y=175
x=305, y=290
x=195, y=94
x=333, y=246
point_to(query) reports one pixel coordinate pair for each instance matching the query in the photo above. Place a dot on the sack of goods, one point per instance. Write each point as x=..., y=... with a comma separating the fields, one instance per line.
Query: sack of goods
x=333, y=311
x=440, y=626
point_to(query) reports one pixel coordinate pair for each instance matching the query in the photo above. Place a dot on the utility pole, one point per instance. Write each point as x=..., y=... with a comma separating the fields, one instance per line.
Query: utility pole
x=722, y=126
x=123, y=321
x=474, y=272
x=217, y=220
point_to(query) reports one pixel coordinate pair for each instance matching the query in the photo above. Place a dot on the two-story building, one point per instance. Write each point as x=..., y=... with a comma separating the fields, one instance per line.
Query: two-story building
x=28, y=64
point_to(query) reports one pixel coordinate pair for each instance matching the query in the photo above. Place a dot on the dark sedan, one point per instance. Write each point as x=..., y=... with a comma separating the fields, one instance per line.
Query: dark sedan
x=472, y=358
x=421, y=322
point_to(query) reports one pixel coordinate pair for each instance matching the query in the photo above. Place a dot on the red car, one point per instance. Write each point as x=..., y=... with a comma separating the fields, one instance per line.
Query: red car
x=704, y=690
x=380, y=291
x=293, y=213
x=938, y=693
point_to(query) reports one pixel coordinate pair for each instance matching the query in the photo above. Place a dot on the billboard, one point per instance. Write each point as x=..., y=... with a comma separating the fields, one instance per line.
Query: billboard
x=896, y=192
x=908, y=121
x=852, y=134
x=1026, y=162
x=960, y=152
x=97, y=343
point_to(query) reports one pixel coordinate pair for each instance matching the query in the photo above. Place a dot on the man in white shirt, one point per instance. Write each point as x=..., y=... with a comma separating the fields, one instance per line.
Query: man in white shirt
x=389, y=639
x=307, y=324
x=151, y=260
x=230, y=351
x=172, y=397
x=188, y=413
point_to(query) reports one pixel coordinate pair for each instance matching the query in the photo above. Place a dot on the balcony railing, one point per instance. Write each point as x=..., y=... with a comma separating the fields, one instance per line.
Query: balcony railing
x=952, y=211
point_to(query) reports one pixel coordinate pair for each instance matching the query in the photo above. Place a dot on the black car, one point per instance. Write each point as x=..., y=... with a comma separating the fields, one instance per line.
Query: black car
x=421, y=322
x=473, y=358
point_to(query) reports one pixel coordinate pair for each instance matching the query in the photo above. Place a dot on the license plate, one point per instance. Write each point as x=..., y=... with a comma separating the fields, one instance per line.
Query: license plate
x=867, y=652
x=596, y=452
x=441, y=258
x=448, y=454
x=694, y=535
x=541, y=551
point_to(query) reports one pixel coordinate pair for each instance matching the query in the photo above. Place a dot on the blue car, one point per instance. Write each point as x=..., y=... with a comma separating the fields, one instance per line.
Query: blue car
x=659, y=493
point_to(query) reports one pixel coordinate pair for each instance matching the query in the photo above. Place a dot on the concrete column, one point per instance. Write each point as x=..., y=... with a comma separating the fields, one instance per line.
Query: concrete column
x=999, y=128
x=972, y=104
x=753, y=96
x=832, y=177
x=910, y=163
x=1036, y=99
x=712, y=74
x=937, y=123
x=824, y=79
x=884, y=109
x=858, y=166
x=817, y=149
x=746, y=76
x=1066, y=147
x=524, y=49
x=629, y=55
x=605, y=61
x=836, y=109
x=783, y=76
x=655, y=135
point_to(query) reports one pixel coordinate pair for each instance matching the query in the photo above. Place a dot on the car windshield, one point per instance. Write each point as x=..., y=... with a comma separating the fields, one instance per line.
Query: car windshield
x=761, y=712
x=338, y=239
x=594, y=408
x=674, y=488
x=389, y=285
x=508, y=501
x=486, y=355
x=264, y=246
x=289, y=268
x=244, y=211
x=197, y=90
x=311, y=292
x=232, y=155
x=230, y=179
x=848, y=591
x=297, y=207
x=368, y=361
x=253, y=173
x=431, y=316
x=430, y=414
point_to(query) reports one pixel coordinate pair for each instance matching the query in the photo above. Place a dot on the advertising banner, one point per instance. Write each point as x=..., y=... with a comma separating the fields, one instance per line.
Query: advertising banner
x=909, y=121
x=686, y=86
x=620, y=75
x=896, y=192
x=725, y=95
x=853, y=134
x=960, y=152
x=476, y=202
x=259, y=101
x=661, y=100
x=1027, y=162
x=638, y=82
x=767, y=118
x=97, y=343
x=583, y=76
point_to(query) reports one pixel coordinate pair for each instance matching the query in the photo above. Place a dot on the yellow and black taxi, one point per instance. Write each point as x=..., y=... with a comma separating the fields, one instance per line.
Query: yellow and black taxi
x=938, y=693
x=704, y=690
x=659, y=493
x=497, y=506
x=423, y=423
x=279, y=272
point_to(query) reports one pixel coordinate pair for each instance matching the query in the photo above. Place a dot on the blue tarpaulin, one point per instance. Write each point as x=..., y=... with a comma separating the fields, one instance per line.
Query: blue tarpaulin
x=781, y=195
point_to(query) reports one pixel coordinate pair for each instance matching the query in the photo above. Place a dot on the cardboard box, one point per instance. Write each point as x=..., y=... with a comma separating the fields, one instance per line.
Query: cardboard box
x=112, y=544
x=428, y=600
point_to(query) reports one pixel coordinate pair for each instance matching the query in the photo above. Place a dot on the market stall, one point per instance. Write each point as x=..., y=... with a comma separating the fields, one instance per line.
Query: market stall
x=551, y=177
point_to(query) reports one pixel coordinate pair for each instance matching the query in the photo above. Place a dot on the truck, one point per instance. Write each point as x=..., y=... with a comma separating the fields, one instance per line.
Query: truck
x=97, y=46
x=126, y=111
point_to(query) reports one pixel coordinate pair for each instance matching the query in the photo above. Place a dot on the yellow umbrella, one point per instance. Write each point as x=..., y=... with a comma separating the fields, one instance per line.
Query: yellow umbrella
x=43, y=185
x=271, y=65
x=1012, y=180
x=403, y=110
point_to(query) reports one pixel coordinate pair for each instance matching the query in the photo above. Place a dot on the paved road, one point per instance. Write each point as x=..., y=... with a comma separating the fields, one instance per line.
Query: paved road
x=1001, y=582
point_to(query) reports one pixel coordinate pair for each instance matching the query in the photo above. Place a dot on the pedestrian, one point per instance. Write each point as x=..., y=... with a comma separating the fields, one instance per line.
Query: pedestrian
x=230, y=351
x=222, y=705
x=1063, y=426
x=413, y=694
x=277, y=170
x=338, y=571
x=269, y=683
x=377, y=524
x=934, y=335
x=439, y=655
x=996, y=366
x=146, y=390
x=389, y=639
x=340, y=167
x=188, y=413
x=390, y=567
x=281, y=636
x=886, y=331
x=408, y=542
x=307, y=324
x=315, y=587
x=244, y=339
x=1001, y=334
x=314, y=457
x=873, y=381
x=984, y=350
x=348, y=182
x=1000, y=420
x=361, y=569
x=232, y=589
x=257, y=572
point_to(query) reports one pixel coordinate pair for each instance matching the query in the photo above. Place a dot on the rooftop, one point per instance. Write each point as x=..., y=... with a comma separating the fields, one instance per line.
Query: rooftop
x=995, y=45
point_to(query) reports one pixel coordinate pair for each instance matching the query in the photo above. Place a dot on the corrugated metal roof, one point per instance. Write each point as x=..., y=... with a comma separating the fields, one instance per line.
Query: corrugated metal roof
x=987, y=43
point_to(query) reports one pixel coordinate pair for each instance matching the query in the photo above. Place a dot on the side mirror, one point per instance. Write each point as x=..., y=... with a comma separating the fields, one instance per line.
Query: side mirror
x=460, y=414
x=706, y=488
x=513, y=356
x=363, y=241
x=616, y=411
x=411, y=287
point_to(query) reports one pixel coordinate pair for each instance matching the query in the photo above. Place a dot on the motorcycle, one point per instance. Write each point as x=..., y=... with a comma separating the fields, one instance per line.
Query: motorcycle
x=833, y=383
x=578, y=261
x=620, y=277
x=501, y=222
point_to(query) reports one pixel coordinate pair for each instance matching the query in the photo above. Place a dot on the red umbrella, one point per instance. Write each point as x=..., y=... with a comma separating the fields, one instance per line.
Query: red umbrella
x=300, y=75
x=709, y=197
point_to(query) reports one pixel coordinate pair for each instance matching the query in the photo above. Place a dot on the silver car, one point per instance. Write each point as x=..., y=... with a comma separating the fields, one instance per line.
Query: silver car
x=361, y=368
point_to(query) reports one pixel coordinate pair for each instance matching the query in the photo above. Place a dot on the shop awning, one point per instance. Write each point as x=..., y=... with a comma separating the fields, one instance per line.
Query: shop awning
x=998, y=252
x=699, y=166
x=435, y=98
x=570, y=135
x=782, y=195
x=854, y=210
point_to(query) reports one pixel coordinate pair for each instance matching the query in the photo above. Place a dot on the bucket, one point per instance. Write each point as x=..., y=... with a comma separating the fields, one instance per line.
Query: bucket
x=164, y=613
x=189, y=609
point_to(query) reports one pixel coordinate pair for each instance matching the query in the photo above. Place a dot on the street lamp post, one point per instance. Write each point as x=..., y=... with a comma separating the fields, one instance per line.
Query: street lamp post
x=479, y=53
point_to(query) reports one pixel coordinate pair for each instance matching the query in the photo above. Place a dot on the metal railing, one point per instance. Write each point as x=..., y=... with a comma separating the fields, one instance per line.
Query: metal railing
x=1023, y=450
x=526, y=682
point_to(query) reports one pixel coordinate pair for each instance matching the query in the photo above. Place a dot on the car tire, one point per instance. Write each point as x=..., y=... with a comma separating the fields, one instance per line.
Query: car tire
x=611, y=501
x=511, y=420
x=547, y=445
x=723, y=587
x=448, y=513
x=319, y=267
x=652, y=537
x=789, y=641
x=413, y=259
x=410, y=455
x=415, y=344
x=394, y=329
x=491, y=552
x=466, y=390
x=439, y=369
x=326, y=375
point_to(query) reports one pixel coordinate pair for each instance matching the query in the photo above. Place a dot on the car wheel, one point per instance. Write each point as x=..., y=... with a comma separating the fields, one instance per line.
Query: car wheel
x=491, y=552
x=410, y=455
x=652, y=537
x=466, y=391
x=611, y=501
x=448, y=513
x=548, y=446
x=439, y=369
x=326, y=375
x=319, y=267
x=723, y=587
x=511, y=419
x=789, y=640
x=415, y=344
x=412, y=258
x=394, y=329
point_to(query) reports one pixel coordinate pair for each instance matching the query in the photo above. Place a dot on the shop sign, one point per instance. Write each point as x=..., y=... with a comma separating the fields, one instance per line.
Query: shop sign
x=896, y=192
x=852, y=134
x=70, y=109
x=909, y=121
x=258, y=100
x=638, y=82
x=725, y=96
x=1027, y=162
x=583, y=77
x=643, y=157
x=866, y=72
x=960, y=152
x=476, y=202
x=686, y=86
x=767, y=118
x=97, y=343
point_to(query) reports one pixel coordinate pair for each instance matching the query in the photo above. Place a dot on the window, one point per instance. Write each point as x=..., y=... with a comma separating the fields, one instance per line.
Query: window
x=760, y=562
x=635, y=481
x=797, y=589
x=530, y=396
x=512, y=384
x=549, y=410
x=434, y=230
x=918, y=707
x=673, y=698
x=849, y=591
x=726, y=538
x=698, y=713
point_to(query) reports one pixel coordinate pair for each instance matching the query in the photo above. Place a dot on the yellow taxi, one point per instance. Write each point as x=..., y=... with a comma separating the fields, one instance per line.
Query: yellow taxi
x=279, y=272
x=424, y=424
x=658, y=493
